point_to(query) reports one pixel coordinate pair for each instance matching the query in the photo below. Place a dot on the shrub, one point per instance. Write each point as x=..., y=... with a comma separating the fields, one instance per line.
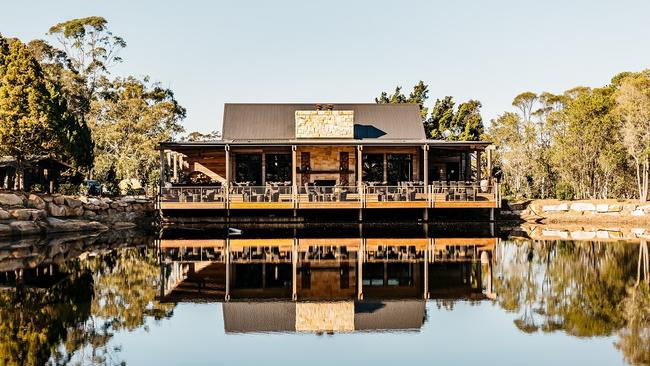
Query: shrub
x=68, y=189
x=564, y=191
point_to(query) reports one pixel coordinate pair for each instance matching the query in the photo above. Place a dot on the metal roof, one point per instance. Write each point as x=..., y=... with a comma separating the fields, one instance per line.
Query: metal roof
x=328, y=142
x=248, y=122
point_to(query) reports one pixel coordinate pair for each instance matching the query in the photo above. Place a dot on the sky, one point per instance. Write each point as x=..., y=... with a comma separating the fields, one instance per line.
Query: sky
x=214, y=52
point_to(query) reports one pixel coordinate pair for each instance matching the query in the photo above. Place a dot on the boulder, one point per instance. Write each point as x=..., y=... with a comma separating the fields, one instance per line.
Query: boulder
x=25, y=227
x=72, y=202
x=107, y=200
x=5, y=230
x=555, y=208
x=59, y=200
x=74, y=211
x=89, y=213
x=22, y=214
x=47, y=199
x=583, y=206
x=55, y=225
x=83, y=199
x=4, y=215
x=95, y=201
x=56, y=210
x=35, y=201
x=10, y=199
x=123, y=225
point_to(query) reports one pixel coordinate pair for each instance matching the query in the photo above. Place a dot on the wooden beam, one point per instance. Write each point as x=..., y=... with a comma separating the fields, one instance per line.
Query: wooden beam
x=425, y=151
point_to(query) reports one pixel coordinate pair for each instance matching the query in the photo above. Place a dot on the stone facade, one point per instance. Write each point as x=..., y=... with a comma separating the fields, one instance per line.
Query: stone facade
x=325, y=124
x=325, y=316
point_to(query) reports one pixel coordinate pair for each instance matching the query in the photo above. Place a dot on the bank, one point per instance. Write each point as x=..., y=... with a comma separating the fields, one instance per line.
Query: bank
x=577, y=211
x=23, y=214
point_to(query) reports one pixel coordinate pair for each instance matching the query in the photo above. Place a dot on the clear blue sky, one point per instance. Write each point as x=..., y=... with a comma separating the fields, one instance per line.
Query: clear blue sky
x=212, y=52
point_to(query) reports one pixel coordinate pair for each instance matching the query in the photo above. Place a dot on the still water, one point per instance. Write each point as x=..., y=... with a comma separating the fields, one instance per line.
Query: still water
x=371, y=294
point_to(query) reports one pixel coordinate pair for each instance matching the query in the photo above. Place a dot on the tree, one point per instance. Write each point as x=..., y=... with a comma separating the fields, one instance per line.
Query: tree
x=442, y=115
x=467, y=124
x=129, y=119
x=525, y=103
x=418, y=96
x=91, y=50
x=633, y=107
x=198, y=136
x=26, y=109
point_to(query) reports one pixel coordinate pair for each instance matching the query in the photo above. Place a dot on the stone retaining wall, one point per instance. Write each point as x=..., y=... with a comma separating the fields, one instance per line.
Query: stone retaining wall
x=577, y=211
x=27, y=214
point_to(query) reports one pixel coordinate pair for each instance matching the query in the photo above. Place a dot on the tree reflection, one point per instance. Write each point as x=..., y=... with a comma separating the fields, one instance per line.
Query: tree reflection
x=585, y=289
x=73, y=322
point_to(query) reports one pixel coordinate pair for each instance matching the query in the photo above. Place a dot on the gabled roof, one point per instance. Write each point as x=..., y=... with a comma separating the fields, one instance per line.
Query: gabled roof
x=251, y=122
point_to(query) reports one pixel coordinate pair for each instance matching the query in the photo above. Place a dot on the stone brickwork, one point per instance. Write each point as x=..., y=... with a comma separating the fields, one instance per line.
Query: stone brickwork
x=324, y=162
x=325, y=124
x=325, y=316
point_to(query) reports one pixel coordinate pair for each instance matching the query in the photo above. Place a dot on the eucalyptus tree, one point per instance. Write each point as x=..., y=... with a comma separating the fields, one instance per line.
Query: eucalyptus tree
x=633, y=107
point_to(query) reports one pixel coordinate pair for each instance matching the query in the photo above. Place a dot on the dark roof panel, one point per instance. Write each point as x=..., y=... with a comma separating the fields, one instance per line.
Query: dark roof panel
x=277, y=121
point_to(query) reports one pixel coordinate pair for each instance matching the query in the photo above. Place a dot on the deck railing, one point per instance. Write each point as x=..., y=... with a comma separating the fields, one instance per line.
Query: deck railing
x=193, y=194
x=328, y=194
x=424, y=194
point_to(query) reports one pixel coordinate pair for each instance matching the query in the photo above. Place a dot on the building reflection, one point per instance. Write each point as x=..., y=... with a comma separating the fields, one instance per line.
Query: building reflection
x=326, y=284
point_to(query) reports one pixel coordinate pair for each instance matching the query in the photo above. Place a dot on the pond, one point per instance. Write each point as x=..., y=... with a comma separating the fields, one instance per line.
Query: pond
x=365, y=294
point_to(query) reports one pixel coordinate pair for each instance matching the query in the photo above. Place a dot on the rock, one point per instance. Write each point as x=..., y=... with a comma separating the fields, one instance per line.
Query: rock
x=629, y=207
x=56, y=210
x=55, y=225
x=4, y=215
x=645, y=208
x=111, y=212
x=5, y=230
x=104, y=206
x=123, y=225
x=136, y=207
x=74, y=211
x=83, y=199
x=25, y=227
x=47, y=199
x=22, y=214
x=637, y=212
x=72, y=202
x=95, y=201
x=583, y=206
x=59, y=200
x=35, y=201
x=89, y=213
x=553, y=208
x=583, y=235
x=25, y=214
x=10, y=199
x=114, y=205
x=128, y=199
x=107, y=200
x=142, y=200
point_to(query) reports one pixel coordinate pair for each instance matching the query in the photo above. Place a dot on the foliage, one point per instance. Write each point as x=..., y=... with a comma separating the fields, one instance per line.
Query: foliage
x=129, y=119
x=564, y=191
x=196, y=136
x=578, y=139
x=466, y=124
x=26, y=106
x=633, y=107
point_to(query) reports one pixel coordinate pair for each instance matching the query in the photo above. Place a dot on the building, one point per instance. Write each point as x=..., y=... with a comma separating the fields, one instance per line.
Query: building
x=337, y=156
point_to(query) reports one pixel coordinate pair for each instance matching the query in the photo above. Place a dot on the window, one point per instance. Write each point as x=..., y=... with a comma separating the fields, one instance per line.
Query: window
x=278, y=167
x=373, y=167
x=248, y=168
x=400, y=168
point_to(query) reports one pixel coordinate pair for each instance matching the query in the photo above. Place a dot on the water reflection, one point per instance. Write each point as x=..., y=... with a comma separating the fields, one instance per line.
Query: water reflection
x=325, y=284
x=66, y=299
